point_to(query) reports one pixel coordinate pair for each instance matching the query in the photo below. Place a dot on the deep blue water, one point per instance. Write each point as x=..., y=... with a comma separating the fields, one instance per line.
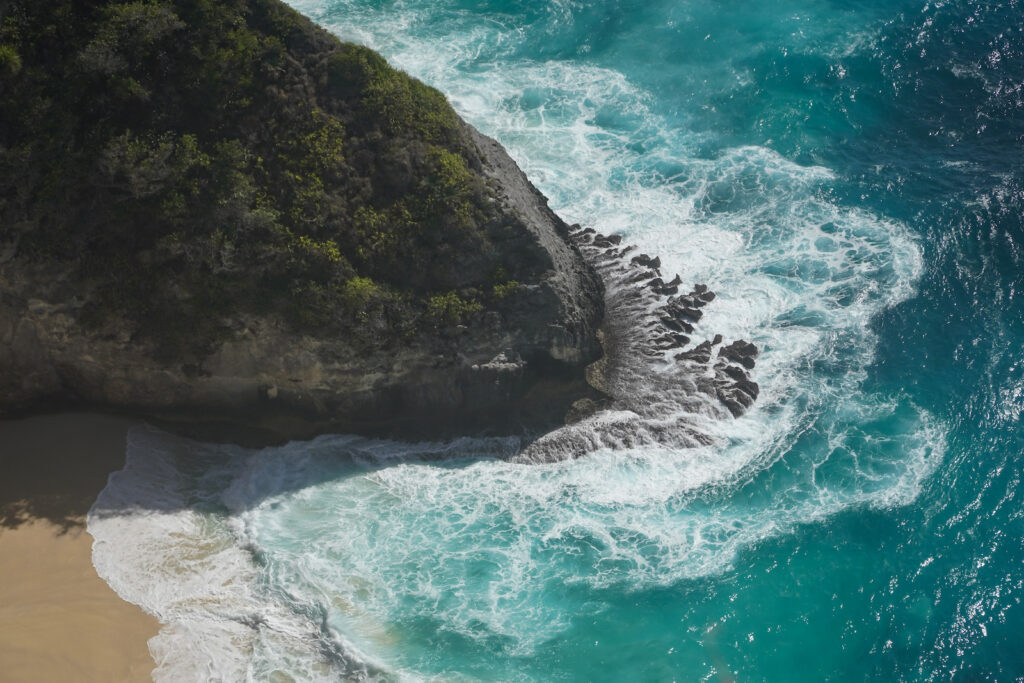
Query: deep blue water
x=849, y=177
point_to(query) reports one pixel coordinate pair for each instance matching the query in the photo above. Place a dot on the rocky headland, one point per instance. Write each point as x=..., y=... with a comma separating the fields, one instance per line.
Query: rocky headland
x=216, y=211
x=213, y=211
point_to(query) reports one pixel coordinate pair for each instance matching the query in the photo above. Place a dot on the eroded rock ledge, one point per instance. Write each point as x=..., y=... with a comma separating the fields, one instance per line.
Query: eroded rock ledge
x=671, y=316
x=662, y=389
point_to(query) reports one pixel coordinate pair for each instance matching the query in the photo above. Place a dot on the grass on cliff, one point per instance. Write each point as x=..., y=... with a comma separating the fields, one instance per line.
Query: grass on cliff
x=185, y=162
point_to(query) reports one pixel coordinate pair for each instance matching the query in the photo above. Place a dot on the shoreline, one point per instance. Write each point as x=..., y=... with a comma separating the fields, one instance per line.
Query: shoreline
x=58, y=619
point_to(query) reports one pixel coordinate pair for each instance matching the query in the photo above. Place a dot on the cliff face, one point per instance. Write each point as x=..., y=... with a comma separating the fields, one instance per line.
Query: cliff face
x=213, y=208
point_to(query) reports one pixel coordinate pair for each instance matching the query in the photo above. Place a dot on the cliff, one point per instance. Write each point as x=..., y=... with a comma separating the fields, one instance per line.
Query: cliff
x=214, y=209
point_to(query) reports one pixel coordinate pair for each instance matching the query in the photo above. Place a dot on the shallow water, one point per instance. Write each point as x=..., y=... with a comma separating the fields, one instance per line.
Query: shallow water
x=848, y=178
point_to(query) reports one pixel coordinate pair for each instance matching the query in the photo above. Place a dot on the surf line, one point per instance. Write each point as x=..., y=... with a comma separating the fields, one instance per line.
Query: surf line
x=659, y=389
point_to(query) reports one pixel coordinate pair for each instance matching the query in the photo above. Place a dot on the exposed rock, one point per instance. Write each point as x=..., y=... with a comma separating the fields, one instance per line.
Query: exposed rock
x=658, y=392
x=699, y=354
x=582, y=409
x=683, y=311
x=642, y=275
x=740, y=352
x=675, y=325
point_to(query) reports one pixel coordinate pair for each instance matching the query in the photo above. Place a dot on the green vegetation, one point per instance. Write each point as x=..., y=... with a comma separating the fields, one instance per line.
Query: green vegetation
x=404, y=105
x=504, y=289
x=450, y=309
x=10, y=62
x=188, y=161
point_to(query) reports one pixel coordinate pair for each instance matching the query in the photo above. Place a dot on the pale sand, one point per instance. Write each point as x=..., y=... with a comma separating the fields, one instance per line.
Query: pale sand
x=58, y=620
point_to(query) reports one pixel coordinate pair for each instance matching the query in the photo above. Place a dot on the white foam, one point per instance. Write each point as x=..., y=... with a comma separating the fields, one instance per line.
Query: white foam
x=161, y=543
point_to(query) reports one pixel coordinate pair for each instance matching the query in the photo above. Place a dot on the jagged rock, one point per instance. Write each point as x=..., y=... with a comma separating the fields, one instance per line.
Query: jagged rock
x=641, y=276
x=745, y=348
x=726, y=379
x=681, y=339
x=736, y=402
x=746, y=362
x=700, y=353
x=701, y=295
x=732, y=371
x=673, y=324
x=685, y=300
x=668, y=342
x=741, y=352
x=739, y=395
x=749, y=387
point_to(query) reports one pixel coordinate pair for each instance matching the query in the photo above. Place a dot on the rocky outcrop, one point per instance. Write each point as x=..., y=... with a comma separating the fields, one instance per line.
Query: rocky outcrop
x=667, y=317
x=518, y=365
x=218, y=211
x=662, y=388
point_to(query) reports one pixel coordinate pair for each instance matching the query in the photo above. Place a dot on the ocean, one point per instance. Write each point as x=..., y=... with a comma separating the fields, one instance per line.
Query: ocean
x=849, y=179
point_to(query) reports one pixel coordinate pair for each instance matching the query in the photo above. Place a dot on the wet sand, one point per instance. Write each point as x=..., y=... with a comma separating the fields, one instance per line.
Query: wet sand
x=58, y=620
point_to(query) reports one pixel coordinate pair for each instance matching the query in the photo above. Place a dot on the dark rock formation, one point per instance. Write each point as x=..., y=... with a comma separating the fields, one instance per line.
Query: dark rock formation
x=214, y=210
x=638, y=292
x=659, y=393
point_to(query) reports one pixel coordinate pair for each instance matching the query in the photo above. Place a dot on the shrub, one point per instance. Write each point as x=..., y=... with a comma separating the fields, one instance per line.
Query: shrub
x=359, y=292
x=450, y=309
x=10, y=61
x=504, y=289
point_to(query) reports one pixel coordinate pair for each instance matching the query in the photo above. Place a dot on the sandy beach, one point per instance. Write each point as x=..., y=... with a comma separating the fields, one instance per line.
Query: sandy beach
x=58, y=620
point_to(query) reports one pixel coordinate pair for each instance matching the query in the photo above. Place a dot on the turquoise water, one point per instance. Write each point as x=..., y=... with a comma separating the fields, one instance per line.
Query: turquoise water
x=849, y=178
